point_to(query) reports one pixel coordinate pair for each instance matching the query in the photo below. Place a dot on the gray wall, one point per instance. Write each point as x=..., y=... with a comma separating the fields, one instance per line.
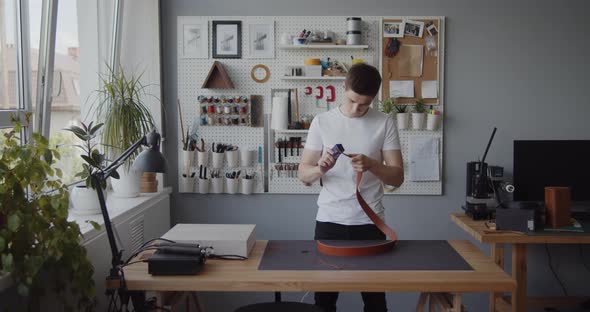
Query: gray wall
x=521, y=67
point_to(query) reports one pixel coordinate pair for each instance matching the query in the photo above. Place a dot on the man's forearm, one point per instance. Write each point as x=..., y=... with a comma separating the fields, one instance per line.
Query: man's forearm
x=390, y=175
x=309, y=174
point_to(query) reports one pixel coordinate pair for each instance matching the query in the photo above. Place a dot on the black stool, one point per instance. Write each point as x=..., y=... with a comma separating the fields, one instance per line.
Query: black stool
x=280, y=307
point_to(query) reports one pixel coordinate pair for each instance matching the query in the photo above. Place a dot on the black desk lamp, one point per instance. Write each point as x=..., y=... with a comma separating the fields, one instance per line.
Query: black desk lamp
x=150, y=160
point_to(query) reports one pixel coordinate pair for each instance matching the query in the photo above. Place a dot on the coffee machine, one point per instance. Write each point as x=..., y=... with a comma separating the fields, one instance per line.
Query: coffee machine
x=480, y=202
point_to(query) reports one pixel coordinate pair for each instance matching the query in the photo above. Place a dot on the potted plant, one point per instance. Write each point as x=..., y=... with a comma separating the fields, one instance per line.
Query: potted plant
x=387, y=105
x=39, y=247
x=419, y=114
x=126, y=119
x=84, y=198
x=402, y=116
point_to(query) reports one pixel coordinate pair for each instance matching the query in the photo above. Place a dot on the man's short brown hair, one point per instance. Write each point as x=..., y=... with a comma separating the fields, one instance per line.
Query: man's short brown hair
x=363, y=79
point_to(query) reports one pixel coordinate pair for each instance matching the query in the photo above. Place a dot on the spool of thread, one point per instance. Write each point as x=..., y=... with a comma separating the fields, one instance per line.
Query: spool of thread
x=311, y=61
x=279, y=113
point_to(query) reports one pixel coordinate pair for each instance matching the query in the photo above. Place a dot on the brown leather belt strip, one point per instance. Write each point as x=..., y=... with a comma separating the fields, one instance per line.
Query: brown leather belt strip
x=365, y=250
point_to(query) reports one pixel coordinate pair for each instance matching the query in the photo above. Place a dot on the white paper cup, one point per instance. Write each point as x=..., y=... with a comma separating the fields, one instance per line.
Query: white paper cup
x=202, y=158
x=217, y=160
x=247, y=158
x=203, y=186
x=231, y=185
x=216, y=185
x=186, y=185
x=247, y=186
x=403, y=120
x=187, y=159
x=432, y=122
x=232, y=159
x=418, y=121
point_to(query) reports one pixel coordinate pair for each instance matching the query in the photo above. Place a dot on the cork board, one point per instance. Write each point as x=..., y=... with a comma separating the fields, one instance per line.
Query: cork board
x=431, y=68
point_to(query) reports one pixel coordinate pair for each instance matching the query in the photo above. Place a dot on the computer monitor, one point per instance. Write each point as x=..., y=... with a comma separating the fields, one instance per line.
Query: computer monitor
x=542, y=163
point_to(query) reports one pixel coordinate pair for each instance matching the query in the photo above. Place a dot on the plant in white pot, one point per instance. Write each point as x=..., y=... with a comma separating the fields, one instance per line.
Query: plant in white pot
x=126, y=119
x=387, y=105
x=402, y=116
x=419, y=115
x=83, y=198
x=39, y=248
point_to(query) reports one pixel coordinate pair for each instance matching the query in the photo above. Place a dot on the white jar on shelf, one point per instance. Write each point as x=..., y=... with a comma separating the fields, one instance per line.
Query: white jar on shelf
x=353, y=24
x=353, y=37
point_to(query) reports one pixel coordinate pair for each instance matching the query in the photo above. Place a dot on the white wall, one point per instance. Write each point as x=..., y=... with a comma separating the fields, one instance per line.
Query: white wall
x=519, y=65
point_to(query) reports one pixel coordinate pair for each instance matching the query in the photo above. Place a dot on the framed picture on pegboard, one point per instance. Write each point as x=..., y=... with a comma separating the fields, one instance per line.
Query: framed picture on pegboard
x=227, y=39
x=194, y=38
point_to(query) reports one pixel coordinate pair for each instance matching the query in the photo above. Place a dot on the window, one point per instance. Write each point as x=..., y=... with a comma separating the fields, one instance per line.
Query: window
x=7, y=57
x=65, y=101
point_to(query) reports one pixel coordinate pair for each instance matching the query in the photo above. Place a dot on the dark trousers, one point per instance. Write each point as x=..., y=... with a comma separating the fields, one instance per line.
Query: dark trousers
x=374, y=302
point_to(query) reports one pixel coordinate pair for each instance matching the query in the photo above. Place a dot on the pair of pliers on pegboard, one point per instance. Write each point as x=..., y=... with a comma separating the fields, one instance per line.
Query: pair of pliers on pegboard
x=392, y=47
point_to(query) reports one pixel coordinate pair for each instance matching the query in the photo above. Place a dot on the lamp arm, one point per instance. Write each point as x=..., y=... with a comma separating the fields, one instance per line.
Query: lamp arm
x=116, y=254
x=106, y=172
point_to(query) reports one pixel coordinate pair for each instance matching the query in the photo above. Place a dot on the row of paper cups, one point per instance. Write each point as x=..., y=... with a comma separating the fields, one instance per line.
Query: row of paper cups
x=419, y=120
x=216, y=185
x=242, y=158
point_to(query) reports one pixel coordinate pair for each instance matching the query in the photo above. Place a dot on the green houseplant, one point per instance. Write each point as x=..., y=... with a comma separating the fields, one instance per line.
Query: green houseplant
x=126, y=119
x=402, y=116
x=419, y=114
x=388, y=105
x=84, y=198
x=38, y=246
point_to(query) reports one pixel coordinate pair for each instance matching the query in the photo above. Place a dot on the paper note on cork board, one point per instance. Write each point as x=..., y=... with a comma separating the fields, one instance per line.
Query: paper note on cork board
x=411, y=59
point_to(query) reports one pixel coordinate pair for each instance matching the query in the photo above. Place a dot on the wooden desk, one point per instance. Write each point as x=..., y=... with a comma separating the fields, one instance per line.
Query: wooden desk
x=220, y=275
x=519, y=242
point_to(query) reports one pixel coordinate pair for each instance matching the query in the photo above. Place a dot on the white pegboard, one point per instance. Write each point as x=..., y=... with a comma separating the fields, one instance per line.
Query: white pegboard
x=192, y=72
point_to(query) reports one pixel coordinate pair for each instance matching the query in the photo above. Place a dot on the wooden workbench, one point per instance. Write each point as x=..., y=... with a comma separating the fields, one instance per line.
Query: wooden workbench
x=519, y=241
x=220, y=275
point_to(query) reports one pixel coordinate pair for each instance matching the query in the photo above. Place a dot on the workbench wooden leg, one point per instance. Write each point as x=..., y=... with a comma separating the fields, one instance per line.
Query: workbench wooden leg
x=519, y=273
x=431, y=303
x=457, y=304
x=497, y=254
x=422, y=302
x=198, y=305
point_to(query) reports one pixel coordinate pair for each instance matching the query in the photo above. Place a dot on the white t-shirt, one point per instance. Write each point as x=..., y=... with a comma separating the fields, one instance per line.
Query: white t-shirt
x=369, y=135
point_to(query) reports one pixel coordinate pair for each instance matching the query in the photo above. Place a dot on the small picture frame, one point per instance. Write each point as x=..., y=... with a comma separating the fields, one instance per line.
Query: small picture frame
x=431, y=28
x=413, y=28
x=261, y=40
x=227, y=39
x=393, y=29
x=193, y=35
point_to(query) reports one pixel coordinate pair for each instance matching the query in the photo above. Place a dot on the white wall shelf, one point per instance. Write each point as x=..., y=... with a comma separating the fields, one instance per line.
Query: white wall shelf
x=292, y=131
x=323, y=46
x=312, y=78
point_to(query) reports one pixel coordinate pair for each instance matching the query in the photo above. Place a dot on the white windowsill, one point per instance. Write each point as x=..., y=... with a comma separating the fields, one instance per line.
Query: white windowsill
x=118, y=208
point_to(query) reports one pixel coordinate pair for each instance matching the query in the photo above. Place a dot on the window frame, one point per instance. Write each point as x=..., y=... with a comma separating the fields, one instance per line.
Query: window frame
x=23, y=69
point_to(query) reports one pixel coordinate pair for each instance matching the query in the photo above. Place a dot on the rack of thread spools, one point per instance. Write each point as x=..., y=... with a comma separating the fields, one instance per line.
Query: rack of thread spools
x=214, y=158
x=224, y=110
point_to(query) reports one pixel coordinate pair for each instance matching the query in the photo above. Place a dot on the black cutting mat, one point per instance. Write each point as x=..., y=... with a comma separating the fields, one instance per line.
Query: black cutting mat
x=407, y=255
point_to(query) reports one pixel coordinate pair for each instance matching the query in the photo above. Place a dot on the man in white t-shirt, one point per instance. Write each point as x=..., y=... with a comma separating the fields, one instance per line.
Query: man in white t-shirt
x=372, y=138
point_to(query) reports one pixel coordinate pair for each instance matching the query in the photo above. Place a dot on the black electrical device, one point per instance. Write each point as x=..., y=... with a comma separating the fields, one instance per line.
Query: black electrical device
x=176, y=259
x=521, y=216
x=479, y=202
